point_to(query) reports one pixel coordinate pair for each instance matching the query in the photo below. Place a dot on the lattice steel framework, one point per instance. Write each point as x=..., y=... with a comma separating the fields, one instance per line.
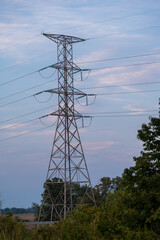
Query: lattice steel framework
x=67, y=170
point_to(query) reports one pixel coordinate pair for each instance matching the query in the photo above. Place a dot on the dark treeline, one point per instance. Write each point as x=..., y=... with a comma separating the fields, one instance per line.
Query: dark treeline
x=128, y=207
x=17, y=210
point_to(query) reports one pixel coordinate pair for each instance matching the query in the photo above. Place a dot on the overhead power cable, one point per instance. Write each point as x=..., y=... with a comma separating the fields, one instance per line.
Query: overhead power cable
x=120, y=58
x=126, y=115
x=119, y=66
x=33, y=119
x=112, y=19
x=41, y=129
x=136, y=111
x=21, y=99
x=126, y=65
x=121, y=85
x=26, y=114
x=100, y=60
x=18, y=100
x=142, y=91
x=20, y=43
x=23, y=76
x=23, y=134
x=18, y=124
x=28, y=89
x=121, y=33
x=25, y=61
x=15, y=79
x=82, y=25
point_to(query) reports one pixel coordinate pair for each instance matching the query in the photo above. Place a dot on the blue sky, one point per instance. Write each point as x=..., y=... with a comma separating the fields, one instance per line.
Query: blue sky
x=114, y=29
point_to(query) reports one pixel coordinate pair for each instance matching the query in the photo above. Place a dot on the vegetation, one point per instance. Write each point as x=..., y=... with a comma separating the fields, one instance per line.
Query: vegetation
x=128, y=207
x=17, y=210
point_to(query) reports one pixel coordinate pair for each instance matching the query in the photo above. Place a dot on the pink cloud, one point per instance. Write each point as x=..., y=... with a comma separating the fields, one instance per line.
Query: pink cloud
x=94, y=146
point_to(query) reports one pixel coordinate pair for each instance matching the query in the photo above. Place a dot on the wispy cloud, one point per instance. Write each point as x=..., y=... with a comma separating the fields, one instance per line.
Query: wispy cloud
x=127, y=75
x=94, y=146
x=12, y=126
x=132, y=107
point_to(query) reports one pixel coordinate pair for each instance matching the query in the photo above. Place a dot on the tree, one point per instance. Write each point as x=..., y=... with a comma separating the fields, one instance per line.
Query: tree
x=142, y=182
x=53, y=195
x=102, y=189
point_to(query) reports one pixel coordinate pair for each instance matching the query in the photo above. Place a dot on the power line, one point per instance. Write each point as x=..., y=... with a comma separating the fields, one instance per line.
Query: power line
x=100, y=60
x=104, y=116
x=119, y=58
x=121, y=33
x=120, y=66
x=116, y=18
x=14, y=65
x=136, y=111
x=76, y=27
x=21, y=99
x=122, y=85
x=23, y=134
x=126, y=65
x=20, y=43
x=23, y=76
x=100, y=94
x=18, y=124
x=11, y=95
x=33, y=119
x=126, y=92
x=26, y=114
x=82, y=25
x=87, y=39
x=111, y=19
x=126, y=115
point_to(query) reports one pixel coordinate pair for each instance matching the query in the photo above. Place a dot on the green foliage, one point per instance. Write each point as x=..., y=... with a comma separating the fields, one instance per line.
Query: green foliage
x=10, y=228
x=17, y=210
x=141, y=182
x=85, y=223
x=150, y=135
x=81, y=224
x=106, y=186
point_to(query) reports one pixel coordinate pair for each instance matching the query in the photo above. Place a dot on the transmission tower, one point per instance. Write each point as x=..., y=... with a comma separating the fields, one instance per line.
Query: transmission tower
x=67, y=170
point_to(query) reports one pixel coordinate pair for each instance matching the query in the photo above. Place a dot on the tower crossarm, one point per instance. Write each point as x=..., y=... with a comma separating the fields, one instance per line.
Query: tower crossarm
x=70, y=91
x=76, y=115
x=68, y=66
x=60, y=65
x=63, y=38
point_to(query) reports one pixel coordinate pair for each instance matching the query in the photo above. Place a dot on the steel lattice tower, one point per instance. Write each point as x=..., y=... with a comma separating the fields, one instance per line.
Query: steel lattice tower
x=67, y=169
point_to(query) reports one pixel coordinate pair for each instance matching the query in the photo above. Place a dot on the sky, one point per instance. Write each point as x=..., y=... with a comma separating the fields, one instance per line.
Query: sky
x=126, y=35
